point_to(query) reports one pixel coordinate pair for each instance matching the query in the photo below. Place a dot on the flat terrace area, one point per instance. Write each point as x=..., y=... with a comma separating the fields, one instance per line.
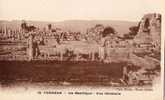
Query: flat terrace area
x=60, y=72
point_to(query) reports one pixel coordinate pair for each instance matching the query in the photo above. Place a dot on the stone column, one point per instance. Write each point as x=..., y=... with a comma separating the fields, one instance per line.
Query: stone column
x=93, y=56
x=30, y=47
x=5, y=31
x=61, y=55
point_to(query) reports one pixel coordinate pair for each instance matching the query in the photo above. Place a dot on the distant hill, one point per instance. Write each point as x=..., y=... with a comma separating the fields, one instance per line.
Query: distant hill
x=121, y=27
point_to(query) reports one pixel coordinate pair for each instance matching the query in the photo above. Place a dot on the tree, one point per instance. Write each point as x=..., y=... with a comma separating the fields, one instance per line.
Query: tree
x=133, y=32
x=49, y=26
x=107, y=31
x=24, y=25
x=27, y=28
x=31, y=28
x=98, y=25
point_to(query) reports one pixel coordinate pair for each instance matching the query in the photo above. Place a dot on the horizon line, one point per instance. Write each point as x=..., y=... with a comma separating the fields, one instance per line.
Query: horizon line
x=10, y=20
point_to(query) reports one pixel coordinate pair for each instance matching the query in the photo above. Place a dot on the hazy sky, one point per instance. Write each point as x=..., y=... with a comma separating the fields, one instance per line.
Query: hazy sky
x=57, y=10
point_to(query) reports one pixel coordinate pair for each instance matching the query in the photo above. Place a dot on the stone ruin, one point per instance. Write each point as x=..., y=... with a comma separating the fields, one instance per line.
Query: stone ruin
x=149, y=30
x=147, y=42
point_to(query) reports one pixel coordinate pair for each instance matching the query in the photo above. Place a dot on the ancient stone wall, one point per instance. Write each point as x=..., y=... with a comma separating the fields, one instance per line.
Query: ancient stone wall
x=149, y=30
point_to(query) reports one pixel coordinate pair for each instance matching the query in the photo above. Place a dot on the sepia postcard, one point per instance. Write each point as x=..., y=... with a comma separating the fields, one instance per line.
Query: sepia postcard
x=82, y=49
